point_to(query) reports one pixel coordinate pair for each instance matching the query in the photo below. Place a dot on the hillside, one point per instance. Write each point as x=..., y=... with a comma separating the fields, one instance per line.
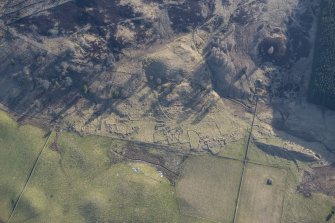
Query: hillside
x=167, y=111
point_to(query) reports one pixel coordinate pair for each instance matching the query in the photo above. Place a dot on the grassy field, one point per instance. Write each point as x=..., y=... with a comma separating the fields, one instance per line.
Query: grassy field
x=262, y=203
x=296, y=208
x=19, y=146
x=235, y=150
x=80, y=184
x=208, y=187
x=79, y=181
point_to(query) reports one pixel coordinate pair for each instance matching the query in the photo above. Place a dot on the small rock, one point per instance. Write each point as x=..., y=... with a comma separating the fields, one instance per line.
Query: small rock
x=271, y=50
x=136, y=170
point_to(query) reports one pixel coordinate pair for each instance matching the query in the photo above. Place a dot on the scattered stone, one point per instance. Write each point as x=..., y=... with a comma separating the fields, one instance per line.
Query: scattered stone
x=136, y=169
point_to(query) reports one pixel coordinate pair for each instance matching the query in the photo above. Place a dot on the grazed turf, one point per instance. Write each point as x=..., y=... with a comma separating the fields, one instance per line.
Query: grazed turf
x=208, y=187
x=78, y=181
x=262, y=203
x=19, y=146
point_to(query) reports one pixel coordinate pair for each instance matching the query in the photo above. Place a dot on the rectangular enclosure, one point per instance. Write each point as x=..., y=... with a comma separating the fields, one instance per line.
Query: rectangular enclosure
x=261, y=198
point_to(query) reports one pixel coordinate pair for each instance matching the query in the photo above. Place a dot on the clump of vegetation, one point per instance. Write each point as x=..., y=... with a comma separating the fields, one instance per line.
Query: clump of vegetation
x=322, y=86
x=85, y=89
x=329, y=217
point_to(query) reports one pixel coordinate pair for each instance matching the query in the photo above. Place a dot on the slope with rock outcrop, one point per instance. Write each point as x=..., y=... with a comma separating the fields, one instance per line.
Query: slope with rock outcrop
x=180, y=74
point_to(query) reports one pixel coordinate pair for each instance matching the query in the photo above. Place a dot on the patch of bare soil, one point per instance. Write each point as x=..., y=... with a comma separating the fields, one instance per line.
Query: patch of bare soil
x=321, y=180
x=168, y=162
